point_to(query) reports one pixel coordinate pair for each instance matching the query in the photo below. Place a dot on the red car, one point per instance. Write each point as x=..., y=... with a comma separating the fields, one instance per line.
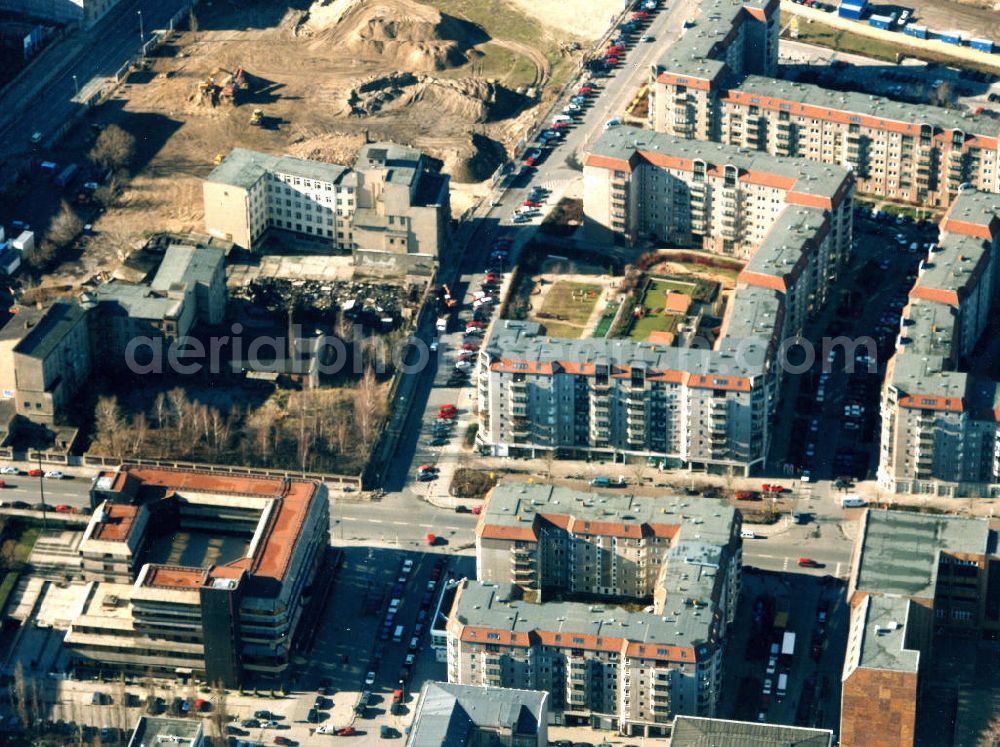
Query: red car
x=611, y=60
x=616, y=48
x=470, y=346
x=529, y=161
x=584, y=91
x=560, y=125
x=532, y=203
x=640, y=14
x=476, y=509
x=746, y=495
x=62, y=508
x=449, y=407
x=282, y=740
x=777, y=488
x=347, y=731
x=808, y=563
x=34, y=473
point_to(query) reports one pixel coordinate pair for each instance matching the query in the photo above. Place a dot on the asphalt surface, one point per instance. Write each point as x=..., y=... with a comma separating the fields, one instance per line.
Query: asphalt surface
x=46, y=96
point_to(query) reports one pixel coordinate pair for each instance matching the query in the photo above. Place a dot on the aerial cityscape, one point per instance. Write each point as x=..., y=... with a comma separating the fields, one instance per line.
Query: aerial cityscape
x=499, y=373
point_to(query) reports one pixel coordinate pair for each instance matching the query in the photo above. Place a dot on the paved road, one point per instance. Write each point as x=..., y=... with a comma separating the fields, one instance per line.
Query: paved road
x=44, y=98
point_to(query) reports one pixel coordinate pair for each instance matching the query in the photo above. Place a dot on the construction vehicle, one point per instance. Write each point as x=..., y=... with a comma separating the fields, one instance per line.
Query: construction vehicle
x=257, y=118
x=219, y=158
x=448, y=300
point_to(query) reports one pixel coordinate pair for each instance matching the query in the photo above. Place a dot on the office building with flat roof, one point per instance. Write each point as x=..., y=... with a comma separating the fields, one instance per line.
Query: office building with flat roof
x=391, y=210
x=151, y=731
x=913, y=576
x=254, y=547
x=940, y=413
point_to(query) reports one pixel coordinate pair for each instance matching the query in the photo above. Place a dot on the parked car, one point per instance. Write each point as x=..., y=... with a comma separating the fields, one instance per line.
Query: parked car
x=54, y=474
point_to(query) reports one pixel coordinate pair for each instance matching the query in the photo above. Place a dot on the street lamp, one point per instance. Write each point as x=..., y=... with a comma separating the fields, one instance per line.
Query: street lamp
x=76, y=84
x=142, y=36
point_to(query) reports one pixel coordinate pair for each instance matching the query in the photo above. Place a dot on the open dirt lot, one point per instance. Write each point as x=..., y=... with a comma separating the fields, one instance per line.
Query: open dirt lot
x=456, y=78
x=587, y=19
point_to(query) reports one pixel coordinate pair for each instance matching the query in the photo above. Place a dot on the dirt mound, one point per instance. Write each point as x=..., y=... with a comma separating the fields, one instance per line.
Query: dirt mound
x=473, y=160
x=397, y=33
x=330, y=147
x=470, y=99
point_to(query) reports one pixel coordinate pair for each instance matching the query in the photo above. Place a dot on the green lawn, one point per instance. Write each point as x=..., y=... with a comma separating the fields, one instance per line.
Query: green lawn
x=568, y=307
x=513, y=69
x=642, y=328
x=604, y=325
x=22, y=550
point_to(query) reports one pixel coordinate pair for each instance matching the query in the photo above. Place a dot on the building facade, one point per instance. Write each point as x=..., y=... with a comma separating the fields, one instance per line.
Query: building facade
x=706, y=87
x=913, y=576
x=216, y=621
x=602, y=665
x=55, y=355
x=939, y=429
x=391, y=210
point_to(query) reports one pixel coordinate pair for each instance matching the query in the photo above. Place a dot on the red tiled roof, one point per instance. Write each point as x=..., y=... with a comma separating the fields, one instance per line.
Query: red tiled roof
x=293, y=500
x=570, y=640
x=932, y=402
x=118, y=522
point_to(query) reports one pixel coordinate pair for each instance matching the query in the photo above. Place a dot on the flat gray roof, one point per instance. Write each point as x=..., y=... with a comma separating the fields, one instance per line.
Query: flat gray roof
x=811, y=177
x=243, y=168
x=693, y=731
x=885, y=621
x=695, y=51
x=487, y=605
x=782, y=248
x=900, y=549
x=151, y=731
x=58, y=321
x=874, y=106
x=753, y=313
x=140, y=301
x=522, y=341
x=449, y=715
x=186, y=265
x=513, y=503
x=21, y=323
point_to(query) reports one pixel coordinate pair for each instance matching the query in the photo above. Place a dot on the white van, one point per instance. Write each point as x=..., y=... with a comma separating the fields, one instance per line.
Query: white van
x=782, y=686
x=397, y=635
x=561, y=118
x=748, y=534
x=852, y=501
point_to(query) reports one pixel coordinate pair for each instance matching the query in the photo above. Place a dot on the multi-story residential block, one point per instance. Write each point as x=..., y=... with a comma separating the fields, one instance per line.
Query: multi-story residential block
x=602, y=665
x=913, y=576
x=55, y=355
x=693, y=731
x=701, y=409
x=640, y=184
x=261, y=543
x=392, y=209
x=940, y=421
x=609, y=544
x=707, y=87
x=473, y=716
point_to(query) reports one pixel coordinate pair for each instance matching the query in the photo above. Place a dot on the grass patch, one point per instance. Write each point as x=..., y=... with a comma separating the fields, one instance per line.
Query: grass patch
x=604, y=325
x=499, y=19
x=513, y=69
x=642, y=328
x=470, y=435
x=18, y=539
x=724, y=272
x=570, y=302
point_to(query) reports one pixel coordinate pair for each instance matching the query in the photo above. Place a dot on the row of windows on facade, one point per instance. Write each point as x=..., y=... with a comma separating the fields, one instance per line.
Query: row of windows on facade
x=307, y=183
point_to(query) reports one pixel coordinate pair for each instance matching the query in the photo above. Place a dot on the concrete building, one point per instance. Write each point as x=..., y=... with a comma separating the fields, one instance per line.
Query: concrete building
x=473, y=716
x=639, y=184
x=711, y=86
x=391, y=210
x=255, y=548
x=54, y=355
x=692, y=731
x=913, y=576
x=939, y=419
x=156, y=730
x=698, y=409
x=609, y=544
x=603, y=665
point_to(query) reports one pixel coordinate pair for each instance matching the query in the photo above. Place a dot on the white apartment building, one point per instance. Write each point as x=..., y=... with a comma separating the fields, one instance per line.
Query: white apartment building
x=602, y=665
x=939, y=421
x=704, y=88
x=391, y=210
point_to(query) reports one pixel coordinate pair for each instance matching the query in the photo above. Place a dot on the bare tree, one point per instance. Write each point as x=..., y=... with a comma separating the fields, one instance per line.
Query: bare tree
x=139, y=432
x=367, y=406
x=114, y=148
x=990, y=735
x=66, y=226
x=110, y=426
x=21, y=695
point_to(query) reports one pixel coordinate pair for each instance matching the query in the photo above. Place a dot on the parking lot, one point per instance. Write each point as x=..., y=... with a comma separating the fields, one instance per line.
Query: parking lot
x=839, y=397
x=814, y=610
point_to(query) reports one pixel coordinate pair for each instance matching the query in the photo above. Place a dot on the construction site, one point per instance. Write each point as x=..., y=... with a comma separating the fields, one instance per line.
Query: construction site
x=316, y=82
